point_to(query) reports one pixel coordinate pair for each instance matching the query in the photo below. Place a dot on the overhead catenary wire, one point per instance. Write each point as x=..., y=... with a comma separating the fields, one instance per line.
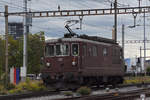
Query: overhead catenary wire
x=10, y=6
x=37, y=26
x=13, y=5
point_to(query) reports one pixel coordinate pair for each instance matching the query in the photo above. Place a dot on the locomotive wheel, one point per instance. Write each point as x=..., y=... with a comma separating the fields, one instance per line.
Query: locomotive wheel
x=72, y=86
x=60, y=85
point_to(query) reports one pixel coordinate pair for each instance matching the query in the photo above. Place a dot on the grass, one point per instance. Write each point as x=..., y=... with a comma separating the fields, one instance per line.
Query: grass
x=68, y=93
x=26, y=87
x=138, y=79
x=38, y=86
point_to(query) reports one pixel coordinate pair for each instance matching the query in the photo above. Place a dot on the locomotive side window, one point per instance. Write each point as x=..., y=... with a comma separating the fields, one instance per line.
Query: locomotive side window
x=50, y=50
x=75, y=49
x=94, y=51
x=90, y=51
x=105, y=51
x=58, y=50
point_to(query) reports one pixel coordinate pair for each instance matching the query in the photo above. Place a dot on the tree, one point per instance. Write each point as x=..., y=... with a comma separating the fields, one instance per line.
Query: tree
x=35, y=52
x=15, y=52
x=148, y=69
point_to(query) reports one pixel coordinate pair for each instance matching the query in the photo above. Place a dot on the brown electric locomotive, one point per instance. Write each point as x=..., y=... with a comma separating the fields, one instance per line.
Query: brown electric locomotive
x=83, y=60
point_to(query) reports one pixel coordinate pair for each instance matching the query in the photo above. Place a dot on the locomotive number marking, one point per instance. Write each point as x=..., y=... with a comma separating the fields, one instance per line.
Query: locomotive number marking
x=60, y=59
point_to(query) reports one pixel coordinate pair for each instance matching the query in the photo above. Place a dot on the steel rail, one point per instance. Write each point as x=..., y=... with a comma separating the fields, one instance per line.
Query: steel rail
x=129, y=95
x=27, y=95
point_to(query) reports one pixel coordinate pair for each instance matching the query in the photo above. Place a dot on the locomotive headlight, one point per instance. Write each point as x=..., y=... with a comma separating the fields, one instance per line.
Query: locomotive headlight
x=73, y=63
x=48, y=64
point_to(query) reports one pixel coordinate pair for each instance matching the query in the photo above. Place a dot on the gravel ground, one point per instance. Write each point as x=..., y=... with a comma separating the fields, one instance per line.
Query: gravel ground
x=46, y=97
x=53, y=97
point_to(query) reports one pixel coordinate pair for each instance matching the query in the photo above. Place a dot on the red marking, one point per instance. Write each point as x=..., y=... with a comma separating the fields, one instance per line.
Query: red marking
x=14, y=75
x=74, y=59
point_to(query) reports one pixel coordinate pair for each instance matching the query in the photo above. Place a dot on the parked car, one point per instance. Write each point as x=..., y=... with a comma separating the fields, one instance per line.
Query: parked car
x=31, y=76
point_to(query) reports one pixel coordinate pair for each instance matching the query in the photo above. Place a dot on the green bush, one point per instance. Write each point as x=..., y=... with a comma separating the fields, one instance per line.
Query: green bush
x=11, y=86
x=27, y=86
x=13, y=91
x=22, y=85
x=84, y=91
x=1, y=87
x=2, y=90
x=36, y=86
x=148, y=69
x=68, y=93
x=33, y=87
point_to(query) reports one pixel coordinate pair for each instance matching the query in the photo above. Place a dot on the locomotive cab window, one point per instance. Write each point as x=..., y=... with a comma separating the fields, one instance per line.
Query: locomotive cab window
x=75, y=49
x=50, y=51
x=65, y=49
x=62, y=49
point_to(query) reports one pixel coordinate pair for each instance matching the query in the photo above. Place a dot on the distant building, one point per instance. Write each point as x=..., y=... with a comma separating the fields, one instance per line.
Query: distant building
x=132, y=66
x=139, y=64
x=15, y=29
x=147, y=64
x=128, y=64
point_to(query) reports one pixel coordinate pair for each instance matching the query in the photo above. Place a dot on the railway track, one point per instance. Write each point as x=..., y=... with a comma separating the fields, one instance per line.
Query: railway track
x=28, y=95
x=50, y=93
x=132, y=95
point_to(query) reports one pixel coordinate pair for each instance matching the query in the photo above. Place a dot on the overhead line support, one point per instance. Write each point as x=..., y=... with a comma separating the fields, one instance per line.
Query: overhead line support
x=134, y=41
x=86, y=12
x=6, y=45
x=115, y=20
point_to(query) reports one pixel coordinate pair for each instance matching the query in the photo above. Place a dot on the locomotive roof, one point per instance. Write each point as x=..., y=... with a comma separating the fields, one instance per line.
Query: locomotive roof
x=77, y=40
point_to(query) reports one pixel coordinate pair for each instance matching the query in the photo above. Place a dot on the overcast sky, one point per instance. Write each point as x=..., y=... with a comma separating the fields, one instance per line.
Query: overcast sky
x=92, y=25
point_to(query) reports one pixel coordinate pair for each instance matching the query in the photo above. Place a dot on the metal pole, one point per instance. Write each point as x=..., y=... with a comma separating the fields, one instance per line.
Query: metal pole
x=140, y=58
x=123, y=40
x=6, y=45
x=115, y=7
x=139, y=6
x=144, y=43
x=25, y=42
x=139, y=3
x=80, y=18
